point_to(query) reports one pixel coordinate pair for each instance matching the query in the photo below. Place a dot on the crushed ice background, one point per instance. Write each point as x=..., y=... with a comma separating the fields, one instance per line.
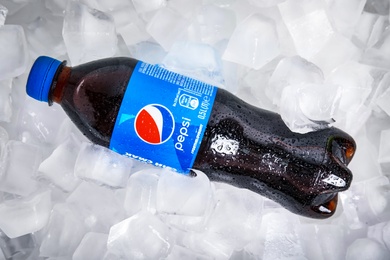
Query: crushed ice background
x=312, y=61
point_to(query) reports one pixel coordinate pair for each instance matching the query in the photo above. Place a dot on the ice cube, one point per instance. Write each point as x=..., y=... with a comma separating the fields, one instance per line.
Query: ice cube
x=148, y=52
x=89, y=34
x=13, y=51
x=141, y=191
x=366, y=249
x=337, y=51
x=308, y=107
x=355, y=83
x=99, y=207
x=254, y=42
x=265, y=3
x=367, y=202
x=292, y=71
x=109, y=168
x=46, y=30
x=384, y=147
x=5, y=100
x=19, y=217
x=369, y=29
x=40, y=121
x=195, y=60
x=3, y=142
x=234, y=221
x=3, y=14
x=142, y=236
x=184, y=7
x=20, y=165
x=179, y=253
x=166, y=26
x=57, y=7
x=380, y=233
x=20, y=247
x=64, y=232
x=346, y=14
x=322, y=241
x=309, y=25
x=281, y=236
x=214, y=24
x=383, y=101
x=59, y=166
x=91, y=240
x=378, y=55
x=183, y=195
x=365, y=162
x=133, y=33
x=143, y=6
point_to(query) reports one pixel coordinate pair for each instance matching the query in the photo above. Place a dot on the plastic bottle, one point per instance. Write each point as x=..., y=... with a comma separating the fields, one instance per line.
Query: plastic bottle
x=166, y=119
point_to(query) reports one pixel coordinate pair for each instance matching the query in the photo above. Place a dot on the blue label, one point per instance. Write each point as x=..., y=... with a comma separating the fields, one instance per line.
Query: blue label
x=162, y=117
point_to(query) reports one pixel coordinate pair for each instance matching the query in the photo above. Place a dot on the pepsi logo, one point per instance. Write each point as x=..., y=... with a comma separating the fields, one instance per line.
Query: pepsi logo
x=154, y=124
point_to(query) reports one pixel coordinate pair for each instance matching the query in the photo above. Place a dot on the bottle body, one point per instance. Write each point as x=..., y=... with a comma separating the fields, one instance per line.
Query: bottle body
x=242, y=145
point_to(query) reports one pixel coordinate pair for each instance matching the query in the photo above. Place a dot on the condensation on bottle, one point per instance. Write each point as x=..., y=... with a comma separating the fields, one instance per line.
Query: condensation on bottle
x=166, y=119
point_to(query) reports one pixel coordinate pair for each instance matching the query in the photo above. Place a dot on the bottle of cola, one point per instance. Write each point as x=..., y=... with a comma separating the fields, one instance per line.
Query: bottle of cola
x=169, y=120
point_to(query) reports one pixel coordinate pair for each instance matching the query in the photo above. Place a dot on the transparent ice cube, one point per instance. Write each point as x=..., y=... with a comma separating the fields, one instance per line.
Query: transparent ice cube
x=254, y=42
x=20, y=165
x=365, y=249
x=322, y=241
x=59, y=166
x=133, y=33
x=64, y=232
x=214, y=23
x=57, y=7
x=355, y=81
x=233, y=223
x=384, y=147
x=281, y=236
x=369, y=29
x=109, y=168
x=13, y=51
x=309, y=25
x=346, y=14
x=19, y=217
x=41, y=122
x=183, y=195
x=383, y=101
x=143, y=6
x=292, y=71
x=148, y=52
x=196, y=60
x=5, y=100
x=141, y=191
x=99, y=207
x=378, y=55
x=91, y=240
x=20, y=247
x=337, y=51
x=166, y=26
x=308, y=107
x=89, y=34
x=3, y=14
x=46, y=29
x=142, y=236
x=367, y=202
x=184, y=6
x=179, y=253
x=265, y=3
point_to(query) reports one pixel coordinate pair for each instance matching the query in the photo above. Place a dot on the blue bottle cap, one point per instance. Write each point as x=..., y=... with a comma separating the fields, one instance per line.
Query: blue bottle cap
x=41, y=77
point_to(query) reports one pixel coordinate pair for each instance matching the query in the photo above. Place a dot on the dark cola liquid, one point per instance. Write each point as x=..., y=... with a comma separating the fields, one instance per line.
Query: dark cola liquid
x=243, y=145
x=92, y=94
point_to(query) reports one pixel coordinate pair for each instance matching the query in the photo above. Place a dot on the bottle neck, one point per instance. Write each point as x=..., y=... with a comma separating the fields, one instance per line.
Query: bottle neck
x=59, y=84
